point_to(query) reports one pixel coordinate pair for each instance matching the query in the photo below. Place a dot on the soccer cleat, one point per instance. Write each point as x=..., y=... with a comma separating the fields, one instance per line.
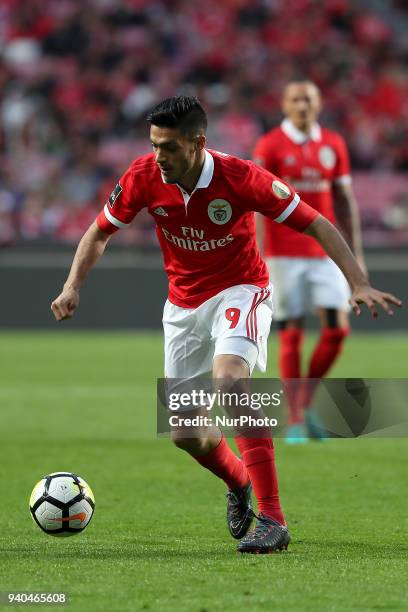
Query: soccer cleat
x=296, y=434
x=314, y=427
x=268, y=536
x=239, y=511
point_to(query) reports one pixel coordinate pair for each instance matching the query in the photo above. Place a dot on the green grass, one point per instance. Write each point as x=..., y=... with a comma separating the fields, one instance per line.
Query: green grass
x=86, y=403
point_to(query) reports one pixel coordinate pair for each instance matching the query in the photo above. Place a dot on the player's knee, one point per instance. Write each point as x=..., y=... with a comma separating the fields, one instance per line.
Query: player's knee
x=232, y=382
x=333, y=318
x=289, y=324
x=229, y=370
x=193, y=446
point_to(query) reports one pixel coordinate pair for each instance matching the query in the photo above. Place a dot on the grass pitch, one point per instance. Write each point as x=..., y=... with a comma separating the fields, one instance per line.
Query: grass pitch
x=86, y=403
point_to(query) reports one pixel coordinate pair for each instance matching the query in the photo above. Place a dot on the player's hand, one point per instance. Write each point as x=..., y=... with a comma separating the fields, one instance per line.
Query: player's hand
x=372, y=297
x=65, y=304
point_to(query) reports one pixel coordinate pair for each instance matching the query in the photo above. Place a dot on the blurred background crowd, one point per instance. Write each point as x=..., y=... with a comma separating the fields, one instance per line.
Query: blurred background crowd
x=78, y=76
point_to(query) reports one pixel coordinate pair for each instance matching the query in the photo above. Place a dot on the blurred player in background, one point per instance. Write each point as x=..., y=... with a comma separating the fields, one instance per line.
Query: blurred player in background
x=316, y=163
x=218, y=313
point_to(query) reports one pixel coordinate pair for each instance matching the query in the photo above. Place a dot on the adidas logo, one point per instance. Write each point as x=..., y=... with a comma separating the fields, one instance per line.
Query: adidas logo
x=160, y=211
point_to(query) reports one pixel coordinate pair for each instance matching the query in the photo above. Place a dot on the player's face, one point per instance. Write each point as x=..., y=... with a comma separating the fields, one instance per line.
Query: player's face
x=301, y=104
x=176, y=154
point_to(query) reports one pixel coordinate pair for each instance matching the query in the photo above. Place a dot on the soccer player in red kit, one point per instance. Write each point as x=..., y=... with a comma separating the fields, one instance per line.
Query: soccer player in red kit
x=218, y=312
x=315, y=161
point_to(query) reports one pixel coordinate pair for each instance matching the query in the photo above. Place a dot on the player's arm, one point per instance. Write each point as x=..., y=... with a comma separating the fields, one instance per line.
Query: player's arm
x=90, y=249
x=348, y=219
x=125, y=201
x=277, y=200
x=336, y=247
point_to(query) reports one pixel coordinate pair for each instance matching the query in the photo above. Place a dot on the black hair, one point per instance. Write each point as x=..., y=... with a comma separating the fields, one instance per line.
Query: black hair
x=182, y=112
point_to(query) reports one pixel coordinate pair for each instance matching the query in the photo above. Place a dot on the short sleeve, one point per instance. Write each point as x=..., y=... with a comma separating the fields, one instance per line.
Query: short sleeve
x=277, y=200
x=342, y=172
x=123, y=204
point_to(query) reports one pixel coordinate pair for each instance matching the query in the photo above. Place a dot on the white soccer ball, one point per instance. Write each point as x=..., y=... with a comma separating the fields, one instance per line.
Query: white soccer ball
x=62, y=504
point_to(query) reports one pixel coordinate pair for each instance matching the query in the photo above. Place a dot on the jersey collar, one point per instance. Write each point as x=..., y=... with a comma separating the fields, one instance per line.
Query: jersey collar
x=207, y=172
x=299, y=137
x=205, y=177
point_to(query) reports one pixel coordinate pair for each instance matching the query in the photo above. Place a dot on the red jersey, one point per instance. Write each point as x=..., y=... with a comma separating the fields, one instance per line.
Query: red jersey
x=311, y=164
x=207, y=237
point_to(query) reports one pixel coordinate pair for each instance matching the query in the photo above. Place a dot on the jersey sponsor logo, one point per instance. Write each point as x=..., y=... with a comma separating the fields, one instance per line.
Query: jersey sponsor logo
x=115, y=194
x=311, y=173
x=327, y=157
x=219, y=211
x=187, y=240
x=160, y=211
x=281, y=190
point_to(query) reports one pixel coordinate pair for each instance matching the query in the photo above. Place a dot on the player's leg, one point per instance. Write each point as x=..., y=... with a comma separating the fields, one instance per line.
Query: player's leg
x=289, y=297
x=188, y=354
x=241, y=332
x=334, y=329
x=210, y=449
x=290, y=335
x=329, y=296
x=270, y=533
x=228, y=373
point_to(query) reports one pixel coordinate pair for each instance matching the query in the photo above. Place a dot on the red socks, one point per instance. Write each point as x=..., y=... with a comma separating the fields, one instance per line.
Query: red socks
x=225, y=464
x=290, y=344
x=257, y=465
x=324, y=355
x=327, y=350
x=259, y=458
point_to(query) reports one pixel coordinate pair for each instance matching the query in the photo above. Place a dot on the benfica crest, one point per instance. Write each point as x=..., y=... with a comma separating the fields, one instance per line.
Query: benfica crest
x=219, y=211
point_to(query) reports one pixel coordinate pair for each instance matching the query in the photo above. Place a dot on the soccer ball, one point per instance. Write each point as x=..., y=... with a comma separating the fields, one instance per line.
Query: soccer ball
x=62, y=504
